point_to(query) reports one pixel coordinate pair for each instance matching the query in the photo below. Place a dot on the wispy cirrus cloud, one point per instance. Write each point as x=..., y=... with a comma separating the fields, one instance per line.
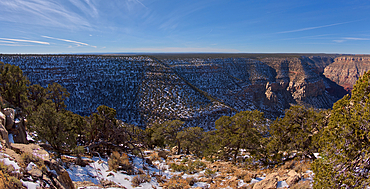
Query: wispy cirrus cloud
x=312, y=28
x=9, y=40
x=77, y=43
x=137, y=1
x=86, y=6
x=343, y=39
x=45, y=13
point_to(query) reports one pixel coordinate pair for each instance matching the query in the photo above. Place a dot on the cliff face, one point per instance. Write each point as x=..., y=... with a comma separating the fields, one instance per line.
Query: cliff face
x=299, y=81
x=197, y=90
x=347, y=69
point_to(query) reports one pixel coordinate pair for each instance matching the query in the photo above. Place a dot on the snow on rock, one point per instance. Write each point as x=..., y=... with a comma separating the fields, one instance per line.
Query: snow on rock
x=30, y=185
x=5, y=159
x=30, y=166
x=282, y=184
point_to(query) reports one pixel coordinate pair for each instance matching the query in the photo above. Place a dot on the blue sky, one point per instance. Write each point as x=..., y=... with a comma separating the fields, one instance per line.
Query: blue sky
x=235, y=26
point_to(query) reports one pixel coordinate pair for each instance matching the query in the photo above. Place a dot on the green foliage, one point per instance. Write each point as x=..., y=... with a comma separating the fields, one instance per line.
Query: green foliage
x=209, y=173
x=37, y=95
x=297, y=131
x=54, y=127
x=58, y=95
x=103, y=124
x=192, y=138
x=178, y=167
x=345, y=143
x=13, y=85
x=168, y=132
x=245, y=130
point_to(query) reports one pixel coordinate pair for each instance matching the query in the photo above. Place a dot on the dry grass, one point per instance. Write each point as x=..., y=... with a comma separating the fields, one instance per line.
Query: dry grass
x=302, y=185
x=119, y=162
x=191, y=180
x=7, y=179
x=139, y=179
x=249, y=176
x=302, y=167
x=28, y=158
x=160, y=179
x=232, y=182
x=288, y=165
x=177, y=182
x=154, y=157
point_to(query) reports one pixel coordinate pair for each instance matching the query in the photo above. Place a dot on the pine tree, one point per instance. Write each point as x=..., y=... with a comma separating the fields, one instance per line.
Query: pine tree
x=345, y=143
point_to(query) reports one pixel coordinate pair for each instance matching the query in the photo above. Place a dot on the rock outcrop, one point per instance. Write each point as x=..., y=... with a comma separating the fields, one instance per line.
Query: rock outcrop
x=3, y=132
x=42, y=169
x=10, y=118
x=14, y=125
x=347, y=69
x=270, y=182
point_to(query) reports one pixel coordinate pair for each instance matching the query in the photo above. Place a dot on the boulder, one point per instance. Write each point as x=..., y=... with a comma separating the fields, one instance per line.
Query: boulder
x=19, y=132
x=177, y=156
x=293, y=178
x=14, y=155
x=174, y=150
x=270, y=182
x=163, y=154
x=31, y=149
x=10, y=116
x=4, y=135
x=33, y=170
x=2, y=118
x=62, y=180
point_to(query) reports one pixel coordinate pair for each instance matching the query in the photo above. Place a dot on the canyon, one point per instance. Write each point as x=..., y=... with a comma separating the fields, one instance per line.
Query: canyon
x=195, y=88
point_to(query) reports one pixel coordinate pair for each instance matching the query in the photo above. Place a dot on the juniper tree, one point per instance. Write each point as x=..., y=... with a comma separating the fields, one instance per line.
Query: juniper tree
x=53, y=127
x=102, y=125
x=296, y=132
x=13, y=85
x=191, y=138
x=37, y=95
x=244, y=130
x=58, y=95
x=169, y=133
x=345, y=143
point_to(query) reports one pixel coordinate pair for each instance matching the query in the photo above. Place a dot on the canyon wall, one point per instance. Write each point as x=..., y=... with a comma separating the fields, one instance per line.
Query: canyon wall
x=345, y=70
x=198, y=90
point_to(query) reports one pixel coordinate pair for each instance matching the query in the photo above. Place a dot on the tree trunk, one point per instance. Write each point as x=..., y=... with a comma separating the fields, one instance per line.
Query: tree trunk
x=178, y=147
x=236, y=154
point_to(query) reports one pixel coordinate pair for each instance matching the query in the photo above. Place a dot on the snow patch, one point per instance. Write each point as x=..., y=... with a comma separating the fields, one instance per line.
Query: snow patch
x=282, y=184
x=99, y=170
x=8, y=162
x=30, y=166
x=30, y=185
